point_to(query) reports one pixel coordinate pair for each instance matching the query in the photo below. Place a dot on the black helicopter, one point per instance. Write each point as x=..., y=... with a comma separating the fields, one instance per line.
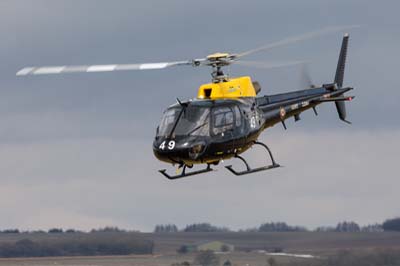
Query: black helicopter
x=228, y=116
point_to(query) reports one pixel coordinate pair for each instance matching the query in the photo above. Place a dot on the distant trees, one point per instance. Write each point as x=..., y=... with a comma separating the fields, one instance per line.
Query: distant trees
x=206, y=258
x=108, y=229
x=350, y=227
x=204, y=227
x=191, y=228
x=391, y=224
x=372, y=228
x=249, y=230
x=10, y=231
x=165, y=228
x=325, y=229
x=90, y=245
x=347, y=227
x=55, y=230
x=37, y=232
x=72, y=231
x=280, y=227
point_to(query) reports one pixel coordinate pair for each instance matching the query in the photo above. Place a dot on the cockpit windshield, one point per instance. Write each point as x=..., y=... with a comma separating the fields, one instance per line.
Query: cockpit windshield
x=188, y=121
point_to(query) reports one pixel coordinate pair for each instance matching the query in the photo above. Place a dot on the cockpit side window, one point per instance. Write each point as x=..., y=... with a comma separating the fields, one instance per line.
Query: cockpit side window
x=223, y=120
x=167, y=121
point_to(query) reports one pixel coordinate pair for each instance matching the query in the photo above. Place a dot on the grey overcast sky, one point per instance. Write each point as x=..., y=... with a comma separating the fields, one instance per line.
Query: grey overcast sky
x=75, y=150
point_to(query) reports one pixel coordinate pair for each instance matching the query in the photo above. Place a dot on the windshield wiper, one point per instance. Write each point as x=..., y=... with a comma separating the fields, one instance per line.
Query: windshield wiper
x=184, y=106
x=197, y=128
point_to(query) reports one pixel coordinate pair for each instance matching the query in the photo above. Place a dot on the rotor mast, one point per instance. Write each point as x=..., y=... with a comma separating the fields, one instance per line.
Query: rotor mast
x=217, y=61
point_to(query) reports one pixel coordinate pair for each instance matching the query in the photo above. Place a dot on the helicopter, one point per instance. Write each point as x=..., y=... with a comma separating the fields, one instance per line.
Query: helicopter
x=228, y=115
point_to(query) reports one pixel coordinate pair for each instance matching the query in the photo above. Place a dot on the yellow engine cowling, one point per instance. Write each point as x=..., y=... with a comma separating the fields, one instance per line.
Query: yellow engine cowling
x=233, y=88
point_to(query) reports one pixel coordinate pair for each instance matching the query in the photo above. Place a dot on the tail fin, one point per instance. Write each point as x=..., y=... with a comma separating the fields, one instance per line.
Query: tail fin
x=340, y=105
x=342, y=61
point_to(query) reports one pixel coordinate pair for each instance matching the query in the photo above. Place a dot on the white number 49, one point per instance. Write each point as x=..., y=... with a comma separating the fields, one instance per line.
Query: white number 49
x=171, y=145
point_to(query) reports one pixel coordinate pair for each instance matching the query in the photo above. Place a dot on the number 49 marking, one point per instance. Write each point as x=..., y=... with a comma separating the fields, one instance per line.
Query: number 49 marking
x=170, y=146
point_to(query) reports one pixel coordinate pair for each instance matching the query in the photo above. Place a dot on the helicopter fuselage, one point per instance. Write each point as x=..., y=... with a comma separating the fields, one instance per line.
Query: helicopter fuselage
x=227, y=127
x=227, y=118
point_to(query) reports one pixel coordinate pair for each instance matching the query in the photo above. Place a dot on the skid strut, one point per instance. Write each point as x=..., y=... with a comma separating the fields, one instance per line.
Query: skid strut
x=249, y=170
x=184, y=174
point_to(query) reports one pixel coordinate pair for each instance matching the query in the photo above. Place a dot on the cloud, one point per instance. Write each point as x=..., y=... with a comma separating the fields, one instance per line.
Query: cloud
x=327, y=177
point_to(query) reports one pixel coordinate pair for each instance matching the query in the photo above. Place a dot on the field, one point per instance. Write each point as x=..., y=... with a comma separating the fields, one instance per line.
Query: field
x=246, y=244
x=158, y=260
x=301, y=242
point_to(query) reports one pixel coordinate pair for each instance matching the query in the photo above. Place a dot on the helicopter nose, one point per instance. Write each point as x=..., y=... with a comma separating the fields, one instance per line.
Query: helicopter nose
x=185, y=149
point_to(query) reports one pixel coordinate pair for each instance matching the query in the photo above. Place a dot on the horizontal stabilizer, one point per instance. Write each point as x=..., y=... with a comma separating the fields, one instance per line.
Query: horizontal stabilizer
x=337, y=99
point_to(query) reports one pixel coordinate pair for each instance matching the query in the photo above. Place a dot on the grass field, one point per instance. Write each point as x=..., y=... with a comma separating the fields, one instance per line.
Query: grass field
x=319, y=244
x=316, y=242
x=237, y=258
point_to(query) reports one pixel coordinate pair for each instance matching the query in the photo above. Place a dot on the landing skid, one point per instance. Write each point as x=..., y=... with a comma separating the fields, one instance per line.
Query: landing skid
x=249, y=170
x=184, y=174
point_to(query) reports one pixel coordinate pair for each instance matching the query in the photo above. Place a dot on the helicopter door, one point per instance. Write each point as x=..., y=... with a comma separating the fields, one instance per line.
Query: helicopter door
x=239, y=139
x=223, y=121
x=223, y=128
x=239, y=125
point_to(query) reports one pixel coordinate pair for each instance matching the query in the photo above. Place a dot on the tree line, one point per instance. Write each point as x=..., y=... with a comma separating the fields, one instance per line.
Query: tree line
x=191, y=228
x=90, y=244
x=345, y=226
x=107, y=229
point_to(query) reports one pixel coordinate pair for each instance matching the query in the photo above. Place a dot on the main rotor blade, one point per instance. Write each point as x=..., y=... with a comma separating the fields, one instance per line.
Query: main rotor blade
x=268, y=65
x=101, y=68
x=298, y=38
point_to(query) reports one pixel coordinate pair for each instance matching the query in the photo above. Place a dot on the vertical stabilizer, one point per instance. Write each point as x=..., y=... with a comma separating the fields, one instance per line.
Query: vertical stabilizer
x=342, y=61
x=340, y=105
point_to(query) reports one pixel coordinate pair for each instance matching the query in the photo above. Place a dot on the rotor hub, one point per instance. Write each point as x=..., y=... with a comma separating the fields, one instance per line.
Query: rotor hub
x=217, y=61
